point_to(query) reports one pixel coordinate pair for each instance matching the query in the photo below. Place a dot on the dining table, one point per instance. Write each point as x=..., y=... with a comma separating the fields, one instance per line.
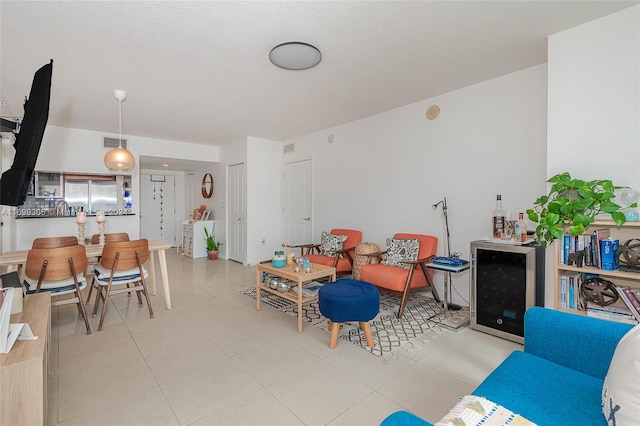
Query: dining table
x=15, y=261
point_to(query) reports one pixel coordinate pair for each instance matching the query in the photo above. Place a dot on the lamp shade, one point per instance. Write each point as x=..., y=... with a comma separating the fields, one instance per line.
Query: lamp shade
x=119, y=160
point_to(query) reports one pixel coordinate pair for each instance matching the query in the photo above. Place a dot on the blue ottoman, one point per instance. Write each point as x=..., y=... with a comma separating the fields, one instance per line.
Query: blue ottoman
x=347, y=300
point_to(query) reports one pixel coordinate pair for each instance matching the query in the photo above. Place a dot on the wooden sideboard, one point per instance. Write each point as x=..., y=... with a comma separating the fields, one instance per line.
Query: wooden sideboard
x=24, y=370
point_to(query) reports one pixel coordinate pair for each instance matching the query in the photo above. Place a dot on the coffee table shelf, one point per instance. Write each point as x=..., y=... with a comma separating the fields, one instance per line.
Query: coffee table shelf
x=300, y=278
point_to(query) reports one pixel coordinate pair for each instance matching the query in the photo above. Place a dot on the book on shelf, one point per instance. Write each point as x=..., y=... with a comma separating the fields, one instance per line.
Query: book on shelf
x=609, y=254
x=630, y=299
x=611, y=313
x=566, y=248
x=598, y=235
x=570, y=290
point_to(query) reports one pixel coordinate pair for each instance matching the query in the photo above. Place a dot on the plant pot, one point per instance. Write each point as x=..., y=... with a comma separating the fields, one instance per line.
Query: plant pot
x=213, y=255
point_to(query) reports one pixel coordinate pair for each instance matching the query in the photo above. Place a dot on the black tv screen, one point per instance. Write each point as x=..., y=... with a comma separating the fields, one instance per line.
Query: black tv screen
x=15, y=181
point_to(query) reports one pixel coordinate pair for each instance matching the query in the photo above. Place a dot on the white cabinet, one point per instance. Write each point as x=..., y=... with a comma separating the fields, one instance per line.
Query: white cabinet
x=193, y=237
x=48, y=184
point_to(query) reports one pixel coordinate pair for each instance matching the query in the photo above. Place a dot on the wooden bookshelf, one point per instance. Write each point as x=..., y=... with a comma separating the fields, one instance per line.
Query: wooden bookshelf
x=627, y=231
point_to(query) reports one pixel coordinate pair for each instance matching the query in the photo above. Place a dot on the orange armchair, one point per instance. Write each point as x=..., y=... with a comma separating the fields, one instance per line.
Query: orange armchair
x=343, y=260
x=409, y=275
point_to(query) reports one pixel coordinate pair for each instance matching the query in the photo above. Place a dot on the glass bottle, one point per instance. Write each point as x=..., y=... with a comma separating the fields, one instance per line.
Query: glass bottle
x=521, y=228
x=498, y=218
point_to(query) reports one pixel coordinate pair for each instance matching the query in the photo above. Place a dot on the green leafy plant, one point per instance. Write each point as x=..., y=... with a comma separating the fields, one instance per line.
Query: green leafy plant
x=572, y=205
x=212, y=244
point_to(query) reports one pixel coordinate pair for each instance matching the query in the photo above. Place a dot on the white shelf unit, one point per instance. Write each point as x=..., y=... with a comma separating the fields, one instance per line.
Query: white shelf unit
x=193, y=237
x=627, y=231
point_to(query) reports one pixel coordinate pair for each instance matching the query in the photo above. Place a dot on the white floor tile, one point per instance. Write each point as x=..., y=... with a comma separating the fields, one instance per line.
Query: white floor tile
x=320, y=393
x=208, y=389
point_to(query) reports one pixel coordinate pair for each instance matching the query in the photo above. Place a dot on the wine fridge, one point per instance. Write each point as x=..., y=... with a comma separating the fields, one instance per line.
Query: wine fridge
x=506, y=280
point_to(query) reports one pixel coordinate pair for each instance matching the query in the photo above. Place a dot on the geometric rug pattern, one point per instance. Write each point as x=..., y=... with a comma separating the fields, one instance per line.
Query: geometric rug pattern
x=423, y=317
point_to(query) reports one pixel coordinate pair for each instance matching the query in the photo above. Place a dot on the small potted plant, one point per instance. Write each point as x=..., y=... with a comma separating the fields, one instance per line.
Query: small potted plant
x=212, y=244
x=572, y=205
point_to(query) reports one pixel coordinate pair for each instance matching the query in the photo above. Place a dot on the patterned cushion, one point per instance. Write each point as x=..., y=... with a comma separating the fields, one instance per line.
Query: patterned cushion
x=401, y=249
x=330, y=244
x=621, y=389
x=59, y=287
x=474, y=410
x=121, y=277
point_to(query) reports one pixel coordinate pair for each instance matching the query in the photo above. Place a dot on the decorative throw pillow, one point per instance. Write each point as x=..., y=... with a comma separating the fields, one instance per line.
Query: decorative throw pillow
x=621, y=390
x=474, y=410
x=399, y=249
x=330, y=244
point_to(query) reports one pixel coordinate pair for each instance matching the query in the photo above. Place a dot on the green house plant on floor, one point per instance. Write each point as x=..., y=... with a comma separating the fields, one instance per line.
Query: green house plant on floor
x=212, y=244
x=572, y=205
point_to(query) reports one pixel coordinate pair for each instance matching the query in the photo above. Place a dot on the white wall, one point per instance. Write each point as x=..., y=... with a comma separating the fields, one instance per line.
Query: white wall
x=594, y=103
x=215, y=204
x=76, y=150
x=263, y=165
x=382, y=174
x=594, y=99
x=264, y=179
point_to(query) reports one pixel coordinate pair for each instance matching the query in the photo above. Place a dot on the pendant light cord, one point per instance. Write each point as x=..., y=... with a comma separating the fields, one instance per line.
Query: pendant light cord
x=120, y=125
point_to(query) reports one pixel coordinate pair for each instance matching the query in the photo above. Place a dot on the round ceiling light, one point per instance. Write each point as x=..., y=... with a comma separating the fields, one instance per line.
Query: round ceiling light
x=295, y=55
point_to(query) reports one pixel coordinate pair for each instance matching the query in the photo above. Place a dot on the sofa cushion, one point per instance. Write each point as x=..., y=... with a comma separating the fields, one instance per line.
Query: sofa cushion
x=399, y=250
x=330, y=244
x=404, y=418
x=544, y=392
x=474, y=410
x=621, y=389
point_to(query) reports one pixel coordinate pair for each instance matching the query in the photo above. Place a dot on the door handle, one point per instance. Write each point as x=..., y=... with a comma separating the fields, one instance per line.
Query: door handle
x=306, y=218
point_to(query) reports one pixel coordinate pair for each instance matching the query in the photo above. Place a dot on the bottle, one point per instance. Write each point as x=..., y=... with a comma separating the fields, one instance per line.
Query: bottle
x=498, y=218
x=521, y=229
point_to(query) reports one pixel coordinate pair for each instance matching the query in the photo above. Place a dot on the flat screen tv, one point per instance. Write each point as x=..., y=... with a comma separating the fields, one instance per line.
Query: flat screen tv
x=14, y=183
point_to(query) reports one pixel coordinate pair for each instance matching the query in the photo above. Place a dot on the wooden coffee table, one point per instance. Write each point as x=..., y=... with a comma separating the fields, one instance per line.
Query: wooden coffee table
x=300, y=278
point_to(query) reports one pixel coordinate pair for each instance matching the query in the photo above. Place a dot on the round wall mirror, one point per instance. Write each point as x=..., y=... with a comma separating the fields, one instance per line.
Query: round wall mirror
x=207, y=185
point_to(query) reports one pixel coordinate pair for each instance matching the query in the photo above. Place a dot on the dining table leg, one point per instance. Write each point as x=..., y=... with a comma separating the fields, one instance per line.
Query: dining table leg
x=165, y=276
x=152, y=273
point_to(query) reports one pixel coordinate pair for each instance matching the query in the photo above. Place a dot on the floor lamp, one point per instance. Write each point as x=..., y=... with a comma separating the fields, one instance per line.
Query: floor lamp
x=447, y=275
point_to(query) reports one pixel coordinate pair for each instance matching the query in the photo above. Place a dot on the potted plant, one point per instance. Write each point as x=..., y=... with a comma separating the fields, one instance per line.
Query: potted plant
x=212, y=244
x=572, y=205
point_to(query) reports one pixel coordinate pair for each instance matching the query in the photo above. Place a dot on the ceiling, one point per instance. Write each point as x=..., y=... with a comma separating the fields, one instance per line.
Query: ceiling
x=199, y=71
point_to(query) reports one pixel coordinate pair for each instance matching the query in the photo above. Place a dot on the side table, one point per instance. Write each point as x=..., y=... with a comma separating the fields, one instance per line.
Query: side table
x=287, y=272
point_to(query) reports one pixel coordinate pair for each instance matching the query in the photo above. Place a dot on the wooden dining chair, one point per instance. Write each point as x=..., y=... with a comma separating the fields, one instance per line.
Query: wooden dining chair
x=59, y=271
x=121, y=264
x=95, y=239
x=54, y=242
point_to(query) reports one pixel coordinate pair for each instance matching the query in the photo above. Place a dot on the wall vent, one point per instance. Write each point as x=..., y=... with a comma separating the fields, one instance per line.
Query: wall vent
x=288, y=148
x=113, y=143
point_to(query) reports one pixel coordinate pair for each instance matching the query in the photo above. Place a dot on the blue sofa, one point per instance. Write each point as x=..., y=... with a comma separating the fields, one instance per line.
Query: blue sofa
x=558, y=378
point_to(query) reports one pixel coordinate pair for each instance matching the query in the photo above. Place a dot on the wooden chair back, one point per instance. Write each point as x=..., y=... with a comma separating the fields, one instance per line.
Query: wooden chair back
x=127, y=258
x=58, y=266
x=114, y=237
x=54, y=242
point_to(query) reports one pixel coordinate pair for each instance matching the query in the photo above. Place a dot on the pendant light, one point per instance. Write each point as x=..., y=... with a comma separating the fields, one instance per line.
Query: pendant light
x=119, y=159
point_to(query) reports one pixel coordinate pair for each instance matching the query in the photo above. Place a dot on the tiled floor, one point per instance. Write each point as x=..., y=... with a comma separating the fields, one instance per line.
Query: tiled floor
x=214, y=360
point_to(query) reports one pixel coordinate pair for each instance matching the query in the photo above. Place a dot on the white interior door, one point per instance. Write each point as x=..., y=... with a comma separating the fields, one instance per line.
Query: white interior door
x=237, y=241
x=157, y=207
x=297, y=221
